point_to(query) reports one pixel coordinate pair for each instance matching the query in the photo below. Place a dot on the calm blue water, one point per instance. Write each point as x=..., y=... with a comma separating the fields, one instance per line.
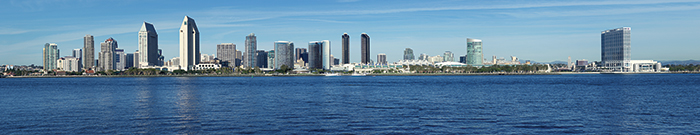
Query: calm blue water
x=536, y=104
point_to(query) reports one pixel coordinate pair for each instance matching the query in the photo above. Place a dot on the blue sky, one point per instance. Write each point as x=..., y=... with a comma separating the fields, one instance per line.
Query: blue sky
x=537, y=30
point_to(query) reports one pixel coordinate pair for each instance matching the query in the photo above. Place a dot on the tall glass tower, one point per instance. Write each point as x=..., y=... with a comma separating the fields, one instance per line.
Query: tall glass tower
x=88, y=52
x=346, y=48
x=365, y=49
x=615, y=47
x=251, y=46
x=284, y=54
x=50, y=54
x=408, y=54
x=475, y=55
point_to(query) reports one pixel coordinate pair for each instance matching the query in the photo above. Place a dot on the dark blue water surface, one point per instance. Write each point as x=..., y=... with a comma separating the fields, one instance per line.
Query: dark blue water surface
x=532, y=104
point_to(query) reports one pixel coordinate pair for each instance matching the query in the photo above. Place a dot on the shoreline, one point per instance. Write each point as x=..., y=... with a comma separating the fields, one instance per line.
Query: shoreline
x=323, y=75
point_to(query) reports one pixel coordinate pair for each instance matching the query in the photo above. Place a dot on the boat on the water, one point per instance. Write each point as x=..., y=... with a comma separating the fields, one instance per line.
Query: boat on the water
x=355, y=74
x=333, y=74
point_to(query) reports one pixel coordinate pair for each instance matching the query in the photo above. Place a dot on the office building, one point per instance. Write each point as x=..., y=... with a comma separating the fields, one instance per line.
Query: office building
x=616, y=47
x=135, y=59
x=381, y=59
x=315, y=54
x=448, y=56
x=69, y=63
x=463, y=59
x=305, y=57
x=270, y=59
x=161, y=58
x=262, y=59
x=346, y=48
x=298, y=52
x=475, y=55
x=120, y=58
x=107, y=55
x=423, y=56
x=251, y=45
x=326, y=54
x=189, y=44
x=408, y=54
x=78, y=53
x=88, y=58
x=129, y=61
x=365, y=54
x=148, y=45
x=226, y=52
x=50, y=56
x=284, y=54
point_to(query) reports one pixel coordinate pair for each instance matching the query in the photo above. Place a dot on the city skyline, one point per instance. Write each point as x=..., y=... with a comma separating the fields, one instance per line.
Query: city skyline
x=531, y=27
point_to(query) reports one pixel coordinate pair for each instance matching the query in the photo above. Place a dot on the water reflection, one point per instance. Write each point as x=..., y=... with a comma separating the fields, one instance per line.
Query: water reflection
x=188, y=102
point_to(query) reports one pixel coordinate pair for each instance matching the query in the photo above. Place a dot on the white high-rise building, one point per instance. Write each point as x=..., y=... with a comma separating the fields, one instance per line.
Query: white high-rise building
x=107, y=55
x=77, y=53
x=189, y=44
x=148, y=46
x=326, y=54
x=69, y=63
x=381, y=59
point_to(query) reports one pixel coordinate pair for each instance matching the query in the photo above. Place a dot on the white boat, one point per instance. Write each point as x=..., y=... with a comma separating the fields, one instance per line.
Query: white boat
x=333, y=74
x=359, y=74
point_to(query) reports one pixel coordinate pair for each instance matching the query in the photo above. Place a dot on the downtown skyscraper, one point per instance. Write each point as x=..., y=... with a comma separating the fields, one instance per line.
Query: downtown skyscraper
x=320, y=55
x=475, y=55
x=448, y=56
x=615, y=47
x=381, y=59
x=251, y=46
x=108, y=56
x=148, y=46
x=88, y=52
x=408, y=54
x=346, y=48
x=50, y=56
x=284, y=54
x=189, y=44
x=365, y=55
x=226, y=52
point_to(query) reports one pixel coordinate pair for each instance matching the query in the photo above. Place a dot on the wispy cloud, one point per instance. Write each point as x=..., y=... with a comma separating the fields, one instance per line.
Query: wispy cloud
x=12, y=31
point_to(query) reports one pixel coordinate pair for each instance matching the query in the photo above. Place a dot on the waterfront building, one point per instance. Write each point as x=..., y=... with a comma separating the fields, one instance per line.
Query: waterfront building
x=161, y=58
x=315, y=54
x=226, y=52
x=326, y=54
x=148, y=44
x=107, y=55
x=475, y=55
x=448, y=56
x=616, y=47
x=129, y=60
x=69, y=63
x=284, y=54
x=408, y=54
x=88, y=58
x=135, y=59
x=189, y=44
x=50, y=56
x=251, y=45
x=346, y=48
x=381, y=59
x=616, y=53
x=78, y=53
x=298, y=52
x=205, y=66
x=261, y=58
x=239, y=58
x=463, y=59
x=120, y=59
x=423, y=56
x=305, y=57
x=365, y=49
x=270, y=59
x=435, y=59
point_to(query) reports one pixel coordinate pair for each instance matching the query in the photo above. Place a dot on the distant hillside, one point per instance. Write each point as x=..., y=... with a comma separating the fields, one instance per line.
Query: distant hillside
x=679, y=62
